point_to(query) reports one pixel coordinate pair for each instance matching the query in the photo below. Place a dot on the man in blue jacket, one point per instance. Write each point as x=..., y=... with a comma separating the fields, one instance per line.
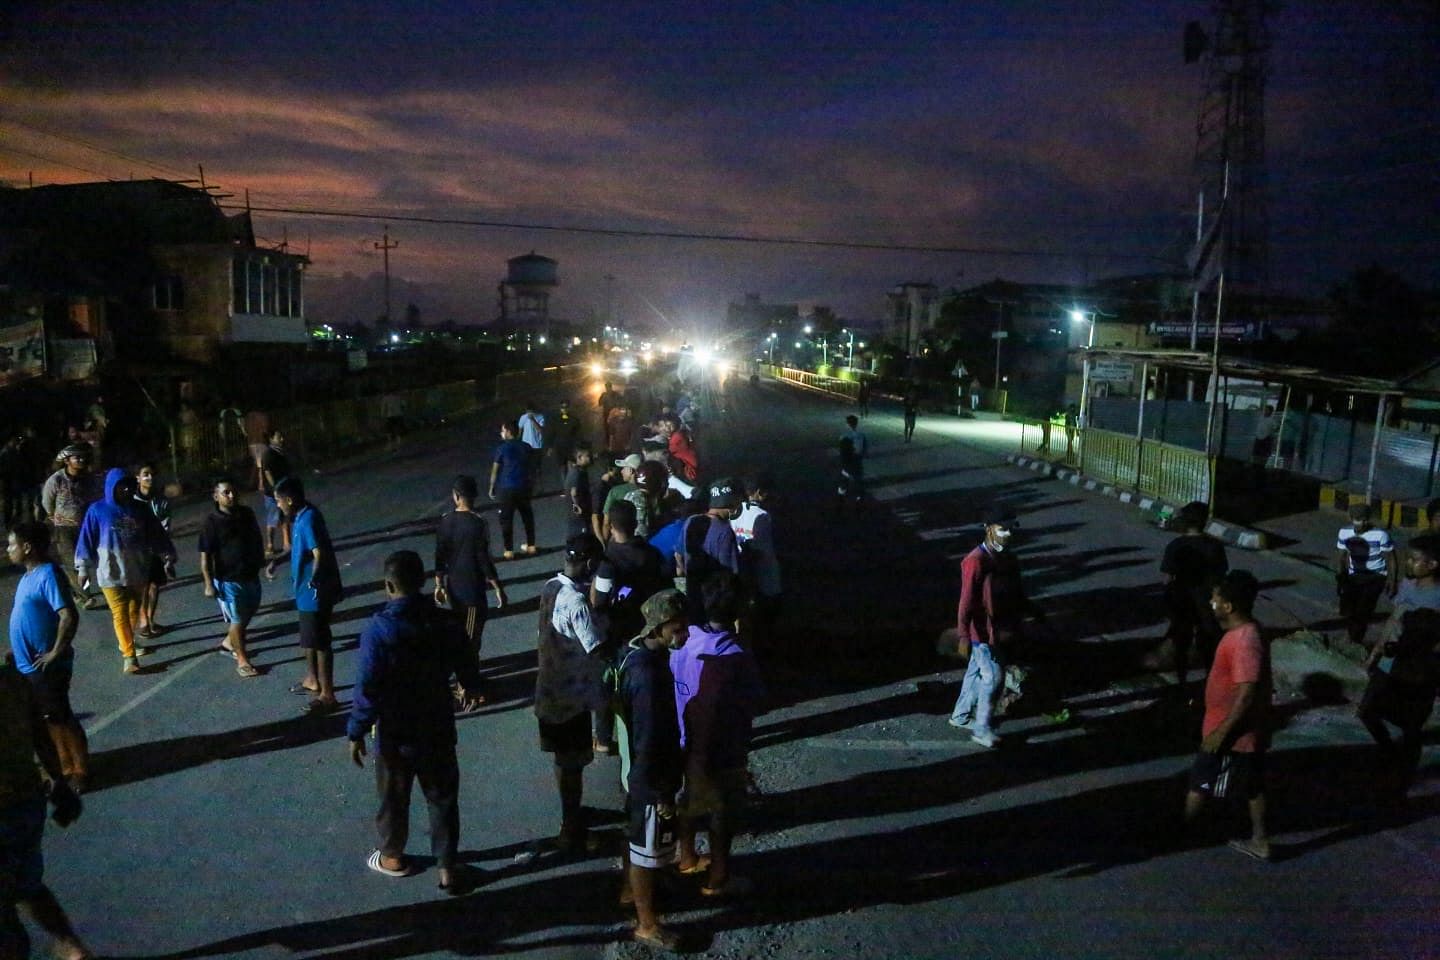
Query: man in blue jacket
x=118, y=540
x=407, y=654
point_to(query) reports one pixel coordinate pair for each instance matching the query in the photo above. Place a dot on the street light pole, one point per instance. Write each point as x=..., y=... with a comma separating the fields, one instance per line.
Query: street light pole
x=1079, y=316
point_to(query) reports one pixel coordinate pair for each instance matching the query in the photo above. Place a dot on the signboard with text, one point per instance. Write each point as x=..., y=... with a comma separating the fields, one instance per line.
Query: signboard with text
x=1205, y=332
x=1112, y=371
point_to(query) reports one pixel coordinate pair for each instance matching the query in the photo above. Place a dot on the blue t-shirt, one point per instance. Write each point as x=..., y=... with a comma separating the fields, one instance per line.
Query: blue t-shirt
x=35, y=619
x=308, y=533
x=667, y=541
x=513, y=457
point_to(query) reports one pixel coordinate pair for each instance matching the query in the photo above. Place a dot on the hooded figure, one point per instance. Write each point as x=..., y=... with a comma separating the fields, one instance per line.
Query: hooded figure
x=118, y=537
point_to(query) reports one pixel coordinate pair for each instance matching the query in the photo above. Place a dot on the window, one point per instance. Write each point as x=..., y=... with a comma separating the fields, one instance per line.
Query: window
x=238, y=288
x=168, y=293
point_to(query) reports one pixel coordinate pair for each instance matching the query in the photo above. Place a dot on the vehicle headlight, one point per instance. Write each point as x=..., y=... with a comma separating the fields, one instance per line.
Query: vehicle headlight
x=596, y=370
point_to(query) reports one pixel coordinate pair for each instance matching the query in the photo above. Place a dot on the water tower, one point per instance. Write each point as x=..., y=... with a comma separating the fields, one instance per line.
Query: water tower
x=525, y=294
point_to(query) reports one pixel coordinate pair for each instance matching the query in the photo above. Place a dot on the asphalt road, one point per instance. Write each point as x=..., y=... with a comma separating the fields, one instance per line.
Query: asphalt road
x=225, y=824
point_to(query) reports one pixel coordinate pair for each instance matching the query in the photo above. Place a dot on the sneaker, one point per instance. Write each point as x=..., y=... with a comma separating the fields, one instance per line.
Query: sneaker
x=131, y=665
x=530, y=550
x=985, y=738
x=959, y=724
x=508, y=555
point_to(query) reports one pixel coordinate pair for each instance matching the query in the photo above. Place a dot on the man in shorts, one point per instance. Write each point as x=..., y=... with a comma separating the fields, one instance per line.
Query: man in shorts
x=646, y=707
x=1235, y=731
x=22, y=825
x=231, y=554
x=315, y=578
x=274, y=467
x=569, y=684
x=42, y=631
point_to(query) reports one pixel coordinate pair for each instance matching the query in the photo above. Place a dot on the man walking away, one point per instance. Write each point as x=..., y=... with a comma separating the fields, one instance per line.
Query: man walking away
x=1235, y=732
x=64, y=498
x=22, y=826
x=463, y=569
x=402, y=689
x=510, y=486
x=1365, y=568
x=911, y=405
x=654, y=762
x=569, y=685
x=992, y=602
x=1403, y=666
x=532, y=431
x=1192, y=565
x=117, y=542
x=718, y=692
x=315, y=579
x=862, y=398
x=629, y=573
x=231, y=554
x=42, y=632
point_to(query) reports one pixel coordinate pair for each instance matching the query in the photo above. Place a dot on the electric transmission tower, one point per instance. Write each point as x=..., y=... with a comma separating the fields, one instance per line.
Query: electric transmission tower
x=1233, y=235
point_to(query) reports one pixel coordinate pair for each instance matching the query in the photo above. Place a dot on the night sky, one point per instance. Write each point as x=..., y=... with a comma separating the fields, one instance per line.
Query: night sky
x=1054, y=126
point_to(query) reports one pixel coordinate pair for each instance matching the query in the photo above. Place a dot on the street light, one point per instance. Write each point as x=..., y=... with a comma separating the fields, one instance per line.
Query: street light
x=851, y=334
x=1079, y=316
x=771, y=338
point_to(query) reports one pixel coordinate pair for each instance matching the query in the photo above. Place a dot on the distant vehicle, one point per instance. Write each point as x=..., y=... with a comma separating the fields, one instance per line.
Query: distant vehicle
x=614, y=365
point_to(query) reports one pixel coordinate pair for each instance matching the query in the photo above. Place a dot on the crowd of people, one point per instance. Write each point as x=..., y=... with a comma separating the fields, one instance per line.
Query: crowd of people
x=650, y=640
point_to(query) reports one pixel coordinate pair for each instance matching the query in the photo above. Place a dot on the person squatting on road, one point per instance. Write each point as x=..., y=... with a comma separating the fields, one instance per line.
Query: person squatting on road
x=23, y=795
x=118, y=541
x=1365, y=568
x=1403, y=667
x=569, y=684
x=463, y=569
x=1192, y=565
x=408, y=652
x=42, y=633
x=1235, y=732
x=652, y=763
x=718, y=693
x=315, y=580
x=231, y=555
x=992, y=604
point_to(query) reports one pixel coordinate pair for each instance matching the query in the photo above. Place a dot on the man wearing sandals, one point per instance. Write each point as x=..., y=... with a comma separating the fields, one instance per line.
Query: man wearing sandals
x=315, y=579
x=402, y=688
x=231, y=554
x=1235, y=730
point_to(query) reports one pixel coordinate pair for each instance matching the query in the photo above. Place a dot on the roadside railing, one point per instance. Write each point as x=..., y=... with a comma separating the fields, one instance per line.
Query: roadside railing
x=315, y=431
x=813, y=381
x=1161, y=470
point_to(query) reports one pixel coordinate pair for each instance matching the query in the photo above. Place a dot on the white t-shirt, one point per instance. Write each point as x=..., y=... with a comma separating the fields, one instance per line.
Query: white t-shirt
x=755, y=533
x=532, y=429
x=1368, y=551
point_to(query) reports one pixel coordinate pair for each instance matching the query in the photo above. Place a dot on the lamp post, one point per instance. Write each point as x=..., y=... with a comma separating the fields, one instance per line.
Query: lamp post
x=850, y=360
x=771, y=338
x=1079, y=316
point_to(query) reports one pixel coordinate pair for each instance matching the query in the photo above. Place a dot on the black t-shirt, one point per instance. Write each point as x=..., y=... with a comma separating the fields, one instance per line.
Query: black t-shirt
x=647, y=694
x=462, y=556
x=629, y=574
x=277, y=465
x=233, y=544
x=599, y=490
x=1197, y=563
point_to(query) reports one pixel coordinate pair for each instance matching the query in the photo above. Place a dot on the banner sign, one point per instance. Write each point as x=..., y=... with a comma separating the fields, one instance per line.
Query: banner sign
x=22, y=351
x=72, y=359
x=1112, y=371
x=1236, y=330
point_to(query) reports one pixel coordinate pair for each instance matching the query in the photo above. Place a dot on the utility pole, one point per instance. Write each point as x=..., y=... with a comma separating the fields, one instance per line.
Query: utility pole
x=385, y=246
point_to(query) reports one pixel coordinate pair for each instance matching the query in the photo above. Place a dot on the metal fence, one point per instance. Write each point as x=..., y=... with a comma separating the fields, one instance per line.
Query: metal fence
x=316, y=431
x=813, y=381
x=1161, y=470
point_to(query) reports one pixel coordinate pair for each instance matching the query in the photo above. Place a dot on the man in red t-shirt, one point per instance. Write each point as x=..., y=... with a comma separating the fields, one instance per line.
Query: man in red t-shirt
x=1235, y=732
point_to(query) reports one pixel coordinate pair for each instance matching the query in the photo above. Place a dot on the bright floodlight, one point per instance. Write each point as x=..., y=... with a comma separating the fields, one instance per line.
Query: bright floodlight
x=394, y=338
x=596, y=369
x=1077, y=315
x=722, y=368
x=704, y=355
x=542, y=339
x=809, y=329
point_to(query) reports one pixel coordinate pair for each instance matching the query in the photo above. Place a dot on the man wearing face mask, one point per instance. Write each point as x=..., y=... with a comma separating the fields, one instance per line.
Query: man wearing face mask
x=992, y=602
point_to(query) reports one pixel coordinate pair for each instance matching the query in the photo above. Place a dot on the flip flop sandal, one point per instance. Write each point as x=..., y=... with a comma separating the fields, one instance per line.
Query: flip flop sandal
x=701, y=865
x=319, y=708
x=246, y=671
x=732, y=888
x=299, y=689
x=227, y=651
x=664, y=940
x=374, y=864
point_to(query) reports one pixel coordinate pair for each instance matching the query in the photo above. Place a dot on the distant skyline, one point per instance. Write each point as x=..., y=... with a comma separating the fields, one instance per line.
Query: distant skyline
x=1058, y=126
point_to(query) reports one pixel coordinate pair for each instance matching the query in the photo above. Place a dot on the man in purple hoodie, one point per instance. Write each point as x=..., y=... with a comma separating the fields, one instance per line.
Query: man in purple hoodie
x=117, y=542
x=718, y=692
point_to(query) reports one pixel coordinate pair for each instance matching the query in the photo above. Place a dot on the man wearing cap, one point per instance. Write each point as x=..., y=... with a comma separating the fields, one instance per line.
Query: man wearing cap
x=707, y=542
x=1365, y=568
x=992, y=601
x=652, y=765
x=628, y=467
x=66, y=496
x=569, y=683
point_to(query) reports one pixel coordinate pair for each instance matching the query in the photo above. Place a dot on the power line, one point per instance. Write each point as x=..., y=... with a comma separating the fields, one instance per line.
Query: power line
x=90, y=146
x=715, y=237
